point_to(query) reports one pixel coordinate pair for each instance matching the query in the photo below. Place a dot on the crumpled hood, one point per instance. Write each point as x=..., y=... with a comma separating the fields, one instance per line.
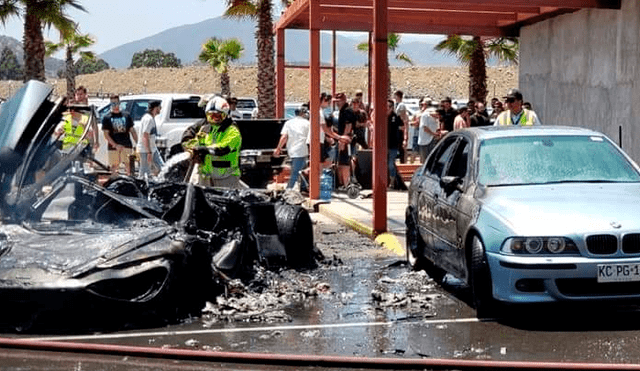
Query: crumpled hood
x=561, y=209
x=31, y=257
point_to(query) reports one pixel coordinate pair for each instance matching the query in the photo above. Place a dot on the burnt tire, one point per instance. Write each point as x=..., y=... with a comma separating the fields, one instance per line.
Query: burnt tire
x=480, y=281
x=296, y=234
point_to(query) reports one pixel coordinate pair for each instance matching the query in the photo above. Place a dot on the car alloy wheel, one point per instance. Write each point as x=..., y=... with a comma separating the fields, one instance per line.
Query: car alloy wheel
x=480, y=281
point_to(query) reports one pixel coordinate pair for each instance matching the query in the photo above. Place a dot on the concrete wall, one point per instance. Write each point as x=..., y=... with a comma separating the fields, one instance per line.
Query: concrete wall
x=583, y=69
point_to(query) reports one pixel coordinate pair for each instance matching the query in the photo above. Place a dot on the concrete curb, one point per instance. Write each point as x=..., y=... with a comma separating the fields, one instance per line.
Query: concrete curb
x=387, y=240
x=351, y=223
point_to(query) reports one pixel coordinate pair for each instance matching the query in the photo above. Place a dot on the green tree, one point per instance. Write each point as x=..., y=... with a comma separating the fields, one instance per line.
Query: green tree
x=218, y=54
x=86, y=66
x=393, y=41
x=261, y=11
x=154, y=59
x=9, y=67
x=474, y=53
x=36, y=14
x=73, y=43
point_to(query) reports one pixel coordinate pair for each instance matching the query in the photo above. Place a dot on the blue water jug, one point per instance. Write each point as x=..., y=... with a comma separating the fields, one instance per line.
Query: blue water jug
x=326, y=184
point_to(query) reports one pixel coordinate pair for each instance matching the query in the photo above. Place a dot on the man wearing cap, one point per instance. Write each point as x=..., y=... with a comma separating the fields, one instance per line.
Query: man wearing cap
x=219, y=150
x=146, y=146
x=516, y=114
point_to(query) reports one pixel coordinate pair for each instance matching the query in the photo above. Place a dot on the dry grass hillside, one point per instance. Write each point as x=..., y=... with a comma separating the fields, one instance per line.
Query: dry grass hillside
x=436, y=82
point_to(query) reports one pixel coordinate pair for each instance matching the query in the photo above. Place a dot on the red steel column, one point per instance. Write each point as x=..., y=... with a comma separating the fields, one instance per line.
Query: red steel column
x=280, y=72
x=333, y=63
x=314, y=98
x=379, y=99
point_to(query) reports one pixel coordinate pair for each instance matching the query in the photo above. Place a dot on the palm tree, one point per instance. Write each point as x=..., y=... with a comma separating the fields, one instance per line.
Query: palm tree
x=37, y=13
x=474, y=52
x=218, y=54
x=260, y=10
x=393, y=41
x=73, y=43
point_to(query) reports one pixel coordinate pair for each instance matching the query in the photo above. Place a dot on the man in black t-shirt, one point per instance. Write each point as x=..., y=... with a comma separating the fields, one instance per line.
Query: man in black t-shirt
x=449, y=114
x=118, y=129
x=346, y=123
x=395, y=125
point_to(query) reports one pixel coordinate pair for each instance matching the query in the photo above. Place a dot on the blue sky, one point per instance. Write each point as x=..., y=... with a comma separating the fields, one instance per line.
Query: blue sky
x=116, y=22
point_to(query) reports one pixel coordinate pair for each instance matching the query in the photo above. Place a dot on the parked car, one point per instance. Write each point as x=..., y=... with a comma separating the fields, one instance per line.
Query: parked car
x=528, y=215
x=290, y=109
x=72, y=245
x=178, y=112
x=246, y=106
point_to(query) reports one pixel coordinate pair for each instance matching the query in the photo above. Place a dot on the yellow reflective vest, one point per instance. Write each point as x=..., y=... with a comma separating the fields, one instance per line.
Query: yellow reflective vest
x=73, y=130
x=227, y=139
x=527, y=118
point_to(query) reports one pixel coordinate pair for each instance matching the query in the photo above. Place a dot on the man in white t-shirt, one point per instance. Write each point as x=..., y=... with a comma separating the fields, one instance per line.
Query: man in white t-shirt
x=427, y=132
x=294, y=134
x=146, y=146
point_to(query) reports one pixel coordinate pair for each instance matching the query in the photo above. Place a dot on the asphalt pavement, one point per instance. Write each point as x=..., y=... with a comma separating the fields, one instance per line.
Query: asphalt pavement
x=357, y=214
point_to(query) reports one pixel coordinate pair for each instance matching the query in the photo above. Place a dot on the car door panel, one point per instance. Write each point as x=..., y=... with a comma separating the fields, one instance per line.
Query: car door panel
x=454, y=220
x=430, y=209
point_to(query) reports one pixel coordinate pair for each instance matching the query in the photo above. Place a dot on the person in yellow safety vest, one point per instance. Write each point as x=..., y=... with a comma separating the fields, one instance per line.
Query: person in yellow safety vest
x=219, y=149
x=71, y=129
x=515, y=114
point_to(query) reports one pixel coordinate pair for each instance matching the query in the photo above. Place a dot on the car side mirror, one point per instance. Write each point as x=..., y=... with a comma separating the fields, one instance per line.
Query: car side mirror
x=450, y=183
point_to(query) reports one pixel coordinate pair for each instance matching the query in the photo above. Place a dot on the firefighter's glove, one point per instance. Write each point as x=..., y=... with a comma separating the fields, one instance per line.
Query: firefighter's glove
x=201, y=152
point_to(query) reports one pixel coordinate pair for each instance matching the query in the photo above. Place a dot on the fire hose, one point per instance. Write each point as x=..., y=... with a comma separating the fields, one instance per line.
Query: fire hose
x=302, y=359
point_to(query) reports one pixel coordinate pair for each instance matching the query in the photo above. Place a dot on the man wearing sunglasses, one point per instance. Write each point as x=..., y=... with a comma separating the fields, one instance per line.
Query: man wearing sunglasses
x=516, y=114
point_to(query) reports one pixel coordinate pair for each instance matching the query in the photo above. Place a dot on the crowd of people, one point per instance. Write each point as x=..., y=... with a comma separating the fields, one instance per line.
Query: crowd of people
x=345, y=128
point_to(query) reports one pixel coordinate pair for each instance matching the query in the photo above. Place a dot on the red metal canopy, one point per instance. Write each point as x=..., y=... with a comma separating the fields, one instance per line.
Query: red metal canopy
x=466, y=17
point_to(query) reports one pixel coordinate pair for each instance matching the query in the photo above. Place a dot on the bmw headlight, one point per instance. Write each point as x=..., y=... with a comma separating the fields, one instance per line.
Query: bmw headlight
x=540, y=246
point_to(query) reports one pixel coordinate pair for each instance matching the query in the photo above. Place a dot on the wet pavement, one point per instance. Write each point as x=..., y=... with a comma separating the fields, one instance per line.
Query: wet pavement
x=362, y=301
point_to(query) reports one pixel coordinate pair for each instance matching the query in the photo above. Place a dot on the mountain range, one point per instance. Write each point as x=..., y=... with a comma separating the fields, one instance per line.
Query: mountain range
x=186, y=41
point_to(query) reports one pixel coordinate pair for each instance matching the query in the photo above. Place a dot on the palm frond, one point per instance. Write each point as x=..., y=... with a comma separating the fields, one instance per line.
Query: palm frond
x=404, y=57
x=8, y=8
x=363, y=47
x=241, y=9
x=393, y=40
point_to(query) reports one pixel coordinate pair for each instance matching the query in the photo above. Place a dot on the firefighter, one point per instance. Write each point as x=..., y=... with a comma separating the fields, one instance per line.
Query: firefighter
x=218, y=151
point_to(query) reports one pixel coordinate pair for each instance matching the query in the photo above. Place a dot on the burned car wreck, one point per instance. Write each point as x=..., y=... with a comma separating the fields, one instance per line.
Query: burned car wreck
x=68, y=242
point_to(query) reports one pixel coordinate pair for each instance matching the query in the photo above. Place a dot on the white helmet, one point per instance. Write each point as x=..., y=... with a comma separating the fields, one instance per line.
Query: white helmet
x=218, y=104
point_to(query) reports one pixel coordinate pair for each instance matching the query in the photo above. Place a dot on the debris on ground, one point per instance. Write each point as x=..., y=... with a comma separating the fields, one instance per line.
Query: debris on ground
x=412, y=291
x=264, y=298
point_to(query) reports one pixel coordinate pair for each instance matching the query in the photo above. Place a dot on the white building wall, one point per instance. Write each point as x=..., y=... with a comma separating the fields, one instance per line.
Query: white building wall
x=583, y=69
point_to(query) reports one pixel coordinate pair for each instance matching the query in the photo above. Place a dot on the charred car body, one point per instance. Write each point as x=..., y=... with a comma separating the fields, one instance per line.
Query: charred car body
x=66, y=241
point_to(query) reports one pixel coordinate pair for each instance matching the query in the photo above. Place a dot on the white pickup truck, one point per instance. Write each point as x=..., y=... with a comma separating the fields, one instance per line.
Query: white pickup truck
x=178, y=112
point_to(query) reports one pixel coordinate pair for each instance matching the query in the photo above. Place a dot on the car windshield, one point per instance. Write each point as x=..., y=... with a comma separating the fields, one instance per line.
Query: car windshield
x=552, y=159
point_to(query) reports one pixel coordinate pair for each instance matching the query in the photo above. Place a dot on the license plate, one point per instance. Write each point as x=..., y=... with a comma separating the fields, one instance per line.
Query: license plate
x=264, y=158
x=618, y=272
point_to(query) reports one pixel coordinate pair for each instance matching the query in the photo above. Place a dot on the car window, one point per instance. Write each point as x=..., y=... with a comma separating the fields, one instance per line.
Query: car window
x=186, y=109
x=459, y=164
x=439, y=160
x=246, y=104
x=552, y=159
x=138, y=108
